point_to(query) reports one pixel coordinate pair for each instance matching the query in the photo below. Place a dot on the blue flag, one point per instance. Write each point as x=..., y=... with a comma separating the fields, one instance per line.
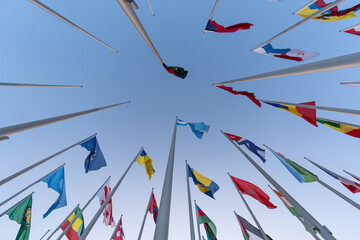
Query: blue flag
x=197, y=128
x=95, y=160
x=205, y=185
x=56, y=181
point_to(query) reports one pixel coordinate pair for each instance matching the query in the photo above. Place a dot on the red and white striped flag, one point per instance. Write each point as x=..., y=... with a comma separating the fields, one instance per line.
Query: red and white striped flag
x=102, y=195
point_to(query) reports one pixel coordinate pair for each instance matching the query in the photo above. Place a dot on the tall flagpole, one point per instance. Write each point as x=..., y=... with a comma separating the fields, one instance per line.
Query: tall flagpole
x=32, y=184
x=15, y=175
x=191, y=219
x=323, y=230
x=146, y=212
x=2, y=214
x=34, y=124
x=5, y=84
x=101, y=209
x=81, y=211
x=213, y=11
x=197, y=219
x=250, y=211
x=162, y=224
x=352, y=84
x=45, y=234
x=354, y=176
x=152, y=11
x=117, y=226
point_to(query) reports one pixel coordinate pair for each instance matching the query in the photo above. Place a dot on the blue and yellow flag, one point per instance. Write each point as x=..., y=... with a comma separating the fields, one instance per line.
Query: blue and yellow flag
x=145, y=159
x=204, y=184
x=95, y=160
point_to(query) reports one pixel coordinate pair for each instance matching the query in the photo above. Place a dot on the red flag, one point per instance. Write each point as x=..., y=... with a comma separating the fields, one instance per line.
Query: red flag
x=153, y=208
x=119, y=234
x=250, y=95
x=103, y=195
x=253, y=191
x=307, y=113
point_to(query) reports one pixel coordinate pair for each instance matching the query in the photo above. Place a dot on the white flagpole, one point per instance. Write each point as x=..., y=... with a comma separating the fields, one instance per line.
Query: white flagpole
x=350, y=27
x=101, y=209
x=34, y=124
x=191, y=219
x=250, y=211
x=81, y=211
x=5, y=84
x=323, y=230
x=2, y=214
x=305, y=6
x=152, y=11
x=45, y=234
x=354, y=176
x=352, y=84
x=52, y=12
x=32, y=184
x=197, y=219
x=345, y=61
x=117, y=226
x=162, y=225
x=213, y=11
x=146, y=211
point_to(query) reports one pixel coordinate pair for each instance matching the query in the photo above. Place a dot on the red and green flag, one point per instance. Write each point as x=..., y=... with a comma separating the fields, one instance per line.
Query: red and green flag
x=210, y=227
x=348, y=129
x=249, y=231
x=77, y=228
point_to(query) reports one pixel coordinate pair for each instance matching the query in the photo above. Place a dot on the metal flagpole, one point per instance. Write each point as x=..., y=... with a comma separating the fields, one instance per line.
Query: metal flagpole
x=305, y=6
x=203, y=238
x=101, y=209
x=345, y=61
x=32, y=184
x=34, y=124
x=62, y=18
x=322, y=10
x=250, y=211
x=162, y=224
x=45, y=234
x=191, y=219
x=354, y=176
x=352, y=84
x=63, y=222
x=323, y=230
x=197, y=220
x=350, y=27
x=81, y=210
x=5, y=84
x=117, y=226
x=11, y=177
x=213, y=11
x=152, y=11
x=146, y=211
x=2, y=214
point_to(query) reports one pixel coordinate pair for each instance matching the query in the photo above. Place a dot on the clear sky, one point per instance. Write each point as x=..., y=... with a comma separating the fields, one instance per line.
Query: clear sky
x=38, y=48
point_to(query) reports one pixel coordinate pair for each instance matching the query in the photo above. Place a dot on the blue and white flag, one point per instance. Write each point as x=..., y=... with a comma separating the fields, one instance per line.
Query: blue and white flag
x=197, y=128
x=95, y=160
x=56, y=181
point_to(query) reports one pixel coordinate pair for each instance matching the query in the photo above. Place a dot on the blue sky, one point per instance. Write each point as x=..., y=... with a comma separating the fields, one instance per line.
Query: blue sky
x=38, y=48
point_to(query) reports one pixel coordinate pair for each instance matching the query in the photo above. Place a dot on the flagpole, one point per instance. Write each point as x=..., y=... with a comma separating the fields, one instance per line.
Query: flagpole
x=15, y=175
x=45, y=234
x=5, y=84
x=197, y=219
x=2, y=214
x=250, y=211
x=345, y=61
x=152, y=11
x=213, y=11
x=117, y=225
x=305, y=6
x=191, y=219
x=323, y=230
x=32, y=184
x=349, y=28
x=63, y=222
x=102, y=207
x=162, y=224
x=354, y=176
x=352, y=84
x=81, y=211
x=146, y=211
x=34, y=124
x=238, y=220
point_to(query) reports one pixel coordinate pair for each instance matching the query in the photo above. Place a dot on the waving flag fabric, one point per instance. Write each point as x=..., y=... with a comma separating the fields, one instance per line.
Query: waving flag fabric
x=197, y=128
x=341, y=127
x=56, y=181
x=250, y=95
x=153, y=208
x=353, y=30
x=22, y=215
x=177, y=71
x=286, y=53
x=145, y=159
x=102, y=195
x=212, y=26
x=95, y=160
x=253, y=191
x=204, y=184
x=249, y=231
x=307, y=114
x=119, y=234
x=77, y=228
x=210, y=227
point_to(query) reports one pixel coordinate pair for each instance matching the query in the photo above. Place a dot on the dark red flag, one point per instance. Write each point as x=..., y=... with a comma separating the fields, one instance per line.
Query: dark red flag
x=250, y=95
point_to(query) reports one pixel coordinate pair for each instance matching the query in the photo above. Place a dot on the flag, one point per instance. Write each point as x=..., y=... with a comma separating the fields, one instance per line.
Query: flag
x=103, y=195
x=332, y=14
x=352, y=186
x=212, y=26
x=353, y=30
x=249, y=231
x=56, y=181
x=95, y=160
x=249, y=145
x=22, y=215
x=77, y=228
x=204, y=184
x=307, y=114
x=250, y=95
x=119, y=234
x=177, y=71
x=297, y=172
x=153, y=208
x=341, y=127
x=253, y=191
x=209, y=226
x=286, y=53
x=357, y=178
x=197, y=128
x=145, y=159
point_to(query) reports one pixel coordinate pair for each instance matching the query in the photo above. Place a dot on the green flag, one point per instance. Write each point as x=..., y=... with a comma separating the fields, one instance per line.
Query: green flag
x=22, y=215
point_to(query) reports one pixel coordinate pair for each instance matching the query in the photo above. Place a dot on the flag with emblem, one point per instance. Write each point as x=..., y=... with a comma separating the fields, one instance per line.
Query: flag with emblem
x=102, y=195
x=77, y=228
x=177, y=71
x=95, y=160
x=145, y=159
x=210, y=227
x=153, y=208
x=119, y=234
